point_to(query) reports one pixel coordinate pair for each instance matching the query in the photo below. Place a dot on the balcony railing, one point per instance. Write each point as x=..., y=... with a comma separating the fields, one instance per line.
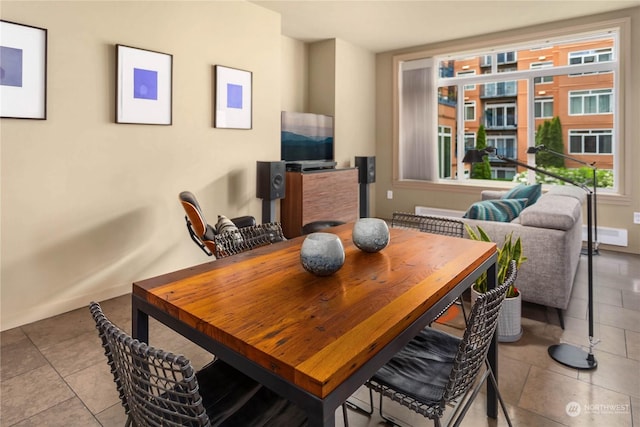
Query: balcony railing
x=499, y=89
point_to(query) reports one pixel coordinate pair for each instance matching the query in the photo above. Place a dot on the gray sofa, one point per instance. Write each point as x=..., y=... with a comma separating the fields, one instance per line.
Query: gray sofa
x=551, y=231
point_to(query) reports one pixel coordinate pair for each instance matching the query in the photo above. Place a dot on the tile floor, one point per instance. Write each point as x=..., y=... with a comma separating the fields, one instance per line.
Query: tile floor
x=53, y=372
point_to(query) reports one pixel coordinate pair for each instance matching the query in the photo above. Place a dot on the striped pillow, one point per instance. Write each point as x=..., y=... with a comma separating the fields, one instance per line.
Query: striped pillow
x=503, y=210
x=225, y=225
x=530, y=192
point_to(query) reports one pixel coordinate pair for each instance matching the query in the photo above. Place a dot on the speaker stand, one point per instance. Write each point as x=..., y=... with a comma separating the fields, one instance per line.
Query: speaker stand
x=364, y=200
x=268, y=210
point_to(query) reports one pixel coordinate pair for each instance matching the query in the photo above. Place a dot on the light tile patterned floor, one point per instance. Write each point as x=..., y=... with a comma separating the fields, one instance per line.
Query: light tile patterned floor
x=53, y=372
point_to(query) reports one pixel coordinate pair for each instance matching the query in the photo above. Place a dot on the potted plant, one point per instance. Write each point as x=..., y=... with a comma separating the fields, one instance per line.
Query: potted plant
x=509, y=323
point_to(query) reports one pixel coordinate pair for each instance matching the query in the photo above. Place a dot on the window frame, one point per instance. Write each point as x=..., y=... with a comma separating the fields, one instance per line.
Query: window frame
x=619, y=27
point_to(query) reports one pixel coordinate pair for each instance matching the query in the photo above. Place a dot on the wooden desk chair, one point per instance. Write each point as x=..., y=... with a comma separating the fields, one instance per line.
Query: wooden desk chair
x=437, y=369
x=432, y=224
x=158, y=388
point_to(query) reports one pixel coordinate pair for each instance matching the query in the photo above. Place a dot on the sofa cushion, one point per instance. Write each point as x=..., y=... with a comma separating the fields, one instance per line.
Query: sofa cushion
x=503, y=210
x=552, y=211
x=530, y=192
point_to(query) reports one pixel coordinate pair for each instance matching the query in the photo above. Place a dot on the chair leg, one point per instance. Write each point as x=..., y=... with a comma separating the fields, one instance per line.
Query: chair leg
x=464, y=312
x=467, y=404
x=561, y=318
x=360, y=408
x=344, y=415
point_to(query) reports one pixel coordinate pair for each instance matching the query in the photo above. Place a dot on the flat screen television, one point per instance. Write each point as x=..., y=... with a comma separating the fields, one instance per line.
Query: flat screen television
x=306, y=137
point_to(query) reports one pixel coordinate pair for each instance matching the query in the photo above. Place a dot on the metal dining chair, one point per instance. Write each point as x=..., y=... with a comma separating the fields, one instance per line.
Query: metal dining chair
x=159, y=388
x=436, y=369
x=435, y=225
x=247, y=238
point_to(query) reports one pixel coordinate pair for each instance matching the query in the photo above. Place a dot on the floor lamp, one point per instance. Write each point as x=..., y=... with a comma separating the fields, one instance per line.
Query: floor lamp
x=566, y=354
x=592, y=166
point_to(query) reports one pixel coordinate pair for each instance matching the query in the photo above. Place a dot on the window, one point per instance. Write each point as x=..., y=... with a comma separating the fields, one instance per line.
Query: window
x=591, y=141
x=591, y=56
x=499, y=89
x=543, y=108
x=595, y=101
x=505, y=145
x=543, y=79
x=444, y=142
x=519, y=88
x=470, y=111
x=469, y=141
x=500, y=116
x=467, y=73
x=501, y=58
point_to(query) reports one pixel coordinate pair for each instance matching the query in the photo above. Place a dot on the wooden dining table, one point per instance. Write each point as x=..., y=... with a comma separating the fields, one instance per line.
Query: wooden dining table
x=312, y=339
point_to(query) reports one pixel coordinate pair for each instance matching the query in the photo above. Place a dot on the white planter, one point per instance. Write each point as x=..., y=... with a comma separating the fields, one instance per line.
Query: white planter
x=509, y=320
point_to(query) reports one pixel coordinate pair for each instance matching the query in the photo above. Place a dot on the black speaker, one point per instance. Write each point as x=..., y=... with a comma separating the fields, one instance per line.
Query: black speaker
x=270, y=180
x=366, y=169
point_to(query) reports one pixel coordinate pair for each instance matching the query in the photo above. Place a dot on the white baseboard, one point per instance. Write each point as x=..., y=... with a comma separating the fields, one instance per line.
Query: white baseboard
x=424, y=210
x=608, y=236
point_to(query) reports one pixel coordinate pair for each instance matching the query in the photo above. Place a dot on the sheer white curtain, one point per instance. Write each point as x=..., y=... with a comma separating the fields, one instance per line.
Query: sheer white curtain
x=417, y=121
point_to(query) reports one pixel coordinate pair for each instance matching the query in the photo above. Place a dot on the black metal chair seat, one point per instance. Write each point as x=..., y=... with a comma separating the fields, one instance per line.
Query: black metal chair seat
x=422, y=367
x=436, y=369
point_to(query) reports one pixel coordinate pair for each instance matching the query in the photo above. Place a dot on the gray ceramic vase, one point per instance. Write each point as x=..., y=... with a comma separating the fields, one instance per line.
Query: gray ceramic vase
x=371, y=234
x=322, y=253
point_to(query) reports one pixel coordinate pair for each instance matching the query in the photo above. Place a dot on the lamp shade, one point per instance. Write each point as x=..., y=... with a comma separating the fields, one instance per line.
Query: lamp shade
x=534, y=150
x=474, y=156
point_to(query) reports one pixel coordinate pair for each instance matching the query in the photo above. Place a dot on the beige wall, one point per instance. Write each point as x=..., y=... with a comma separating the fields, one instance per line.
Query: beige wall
x=295, y=75
x=89, y=206
x=616, y=212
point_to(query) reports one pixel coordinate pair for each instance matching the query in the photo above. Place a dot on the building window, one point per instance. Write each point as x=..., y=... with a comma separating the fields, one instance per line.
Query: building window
x=591, y=141
x=467, y=73
x=543, y=79
x=444, y=144
x=595, y=101
x=505, y=145
x=543, y=108
x=499, y=89
x=470, y=111
x=592, y=56
x=500, y=116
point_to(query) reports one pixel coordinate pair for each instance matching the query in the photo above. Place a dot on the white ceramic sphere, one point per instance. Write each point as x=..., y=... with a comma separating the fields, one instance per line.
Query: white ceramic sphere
x=322, y=253
x=371, y=234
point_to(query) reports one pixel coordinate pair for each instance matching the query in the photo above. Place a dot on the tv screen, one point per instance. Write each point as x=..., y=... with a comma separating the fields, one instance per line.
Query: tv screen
x=306, y=136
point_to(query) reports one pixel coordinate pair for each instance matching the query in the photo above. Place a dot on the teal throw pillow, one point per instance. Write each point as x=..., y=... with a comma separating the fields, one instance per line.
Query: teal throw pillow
x=530, y=192
x=503, y=210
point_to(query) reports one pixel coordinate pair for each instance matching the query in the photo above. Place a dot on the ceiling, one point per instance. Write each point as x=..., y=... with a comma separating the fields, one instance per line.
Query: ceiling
x=383, y=25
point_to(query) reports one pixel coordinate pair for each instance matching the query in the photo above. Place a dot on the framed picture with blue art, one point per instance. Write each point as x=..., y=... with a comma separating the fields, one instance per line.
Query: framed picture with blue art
x=23, y=71
x=144, y=86
x=233, y=98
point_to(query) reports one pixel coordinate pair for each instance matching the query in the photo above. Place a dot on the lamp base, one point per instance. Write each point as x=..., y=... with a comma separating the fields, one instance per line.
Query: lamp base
x=572, y=356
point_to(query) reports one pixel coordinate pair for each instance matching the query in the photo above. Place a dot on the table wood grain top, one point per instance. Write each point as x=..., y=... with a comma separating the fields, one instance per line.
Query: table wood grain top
x=315, y=331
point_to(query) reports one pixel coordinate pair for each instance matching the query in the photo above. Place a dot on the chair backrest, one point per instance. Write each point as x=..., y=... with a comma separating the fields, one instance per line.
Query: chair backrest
x=156, y=387
x=247, y=238
x=429, y=224
x=194, y=213
x=478, y=335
